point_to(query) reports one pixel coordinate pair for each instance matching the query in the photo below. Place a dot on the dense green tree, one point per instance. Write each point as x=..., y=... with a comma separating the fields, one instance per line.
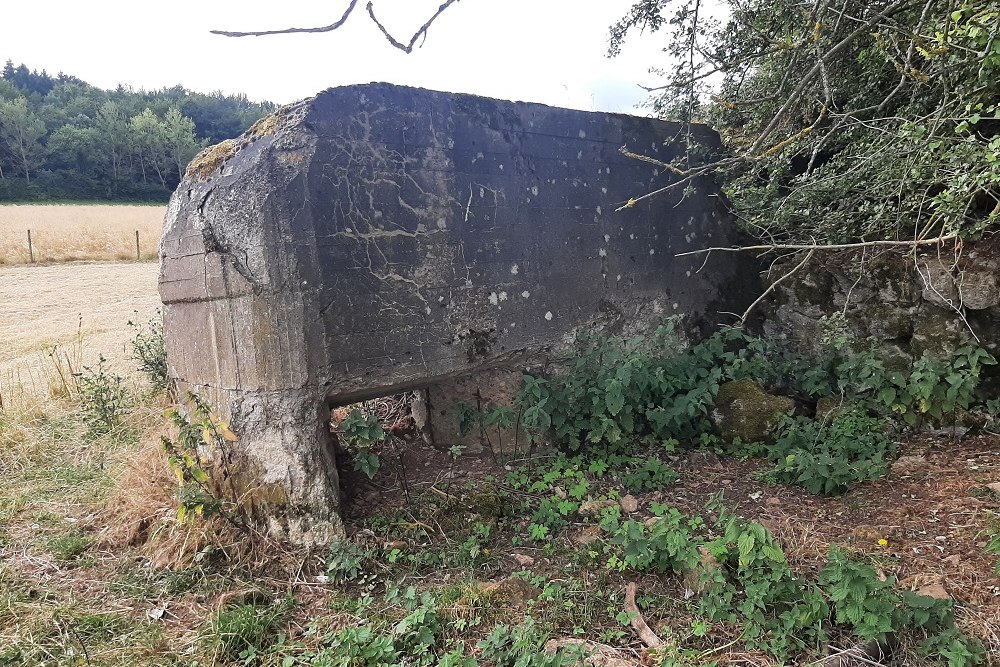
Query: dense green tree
x=181, y=142
x=20, y=131
x=85, y=142
x=844, y=120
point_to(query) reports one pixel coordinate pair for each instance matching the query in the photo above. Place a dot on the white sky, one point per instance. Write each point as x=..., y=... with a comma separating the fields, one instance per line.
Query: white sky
x=549, y=51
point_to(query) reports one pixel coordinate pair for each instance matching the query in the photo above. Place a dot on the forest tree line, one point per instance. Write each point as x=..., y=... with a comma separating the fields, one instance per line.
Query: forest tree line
x=61, y=138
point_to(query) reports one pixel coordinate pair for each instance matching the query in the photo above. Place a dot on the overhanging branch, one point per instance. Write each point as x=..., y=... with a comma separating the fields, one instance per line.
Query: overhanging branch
x=405, y=47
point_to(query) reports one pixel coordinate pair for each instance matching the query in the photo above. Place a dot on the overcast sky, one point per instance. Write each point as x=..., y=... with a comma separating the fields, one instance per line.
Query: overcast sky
x=549, y=51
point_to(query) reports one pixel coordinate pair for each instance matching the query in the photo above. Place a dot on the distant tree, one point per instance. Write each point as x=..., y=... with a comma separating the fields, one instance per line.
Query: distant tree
x=122, y=143
x=20, y=131
x=181, y=143
x=149, y=140
x=113, y=130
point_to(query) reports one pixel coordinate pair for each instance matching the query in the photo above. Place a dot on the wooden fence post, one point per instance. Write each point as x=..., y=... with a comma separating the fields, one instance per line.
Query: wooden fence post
x=31, y=251
x=138, y=257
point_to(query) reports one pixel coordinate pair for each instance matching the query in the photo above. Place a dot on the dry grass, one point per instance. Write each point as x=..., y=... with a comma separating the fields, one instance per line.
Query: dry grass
x=67, y=232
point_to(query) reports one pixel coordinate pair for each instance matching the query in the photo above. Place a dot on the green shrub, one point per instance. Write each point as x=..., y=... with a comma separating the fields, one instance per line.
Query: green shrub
x=104, y=400
x=873, y=608
x=361, y=432
x=831, y=457
x=618, y=391
x=149, y=351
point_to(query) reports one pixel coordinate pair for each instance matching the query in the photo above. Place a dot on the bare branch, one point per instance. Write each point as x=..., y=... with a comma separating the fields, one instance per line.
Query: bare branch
x=421, y=31
x=772, y=286
x=938, y=240
x=407, y=47
x=286, y=31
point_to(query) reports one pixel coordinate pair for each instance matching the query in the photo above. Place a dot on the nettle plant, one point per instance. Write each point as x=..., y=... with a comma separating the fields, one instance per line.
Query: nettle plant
x=362, y=432
x=746, y=582
x=651, y=390
x=200, y=434
x=831, y=457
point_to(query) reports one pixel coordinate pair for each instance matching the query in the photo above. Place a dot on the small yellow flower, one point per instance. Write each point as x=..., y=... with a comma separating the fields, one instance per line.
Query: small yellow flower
x=883, y=542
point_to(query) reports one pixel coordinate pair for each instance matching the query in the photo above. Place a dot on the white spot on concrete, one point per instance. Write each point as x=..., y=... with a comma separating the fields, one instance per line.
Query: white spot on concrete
x=607, y=170
x=494, y=299
x=656, y=172
x=619, y=276
x=421, y=228
x=514, y=269
x=632, y=236
x=607, y=238
x=598, y=210
x=548, y=315
x=604, y=191
x=441, y=299
x=503, y=296
x=602, y=252
x=442, y=224
x=579, y=155
x=652, y=251
x=525, y=294
x=687, y=273
x=513, y=324
x=534, y=190
x=501, y=167
x=583, y=135
x=482, y=192
x=676, y=306
x=479, y=156
x=427, y=310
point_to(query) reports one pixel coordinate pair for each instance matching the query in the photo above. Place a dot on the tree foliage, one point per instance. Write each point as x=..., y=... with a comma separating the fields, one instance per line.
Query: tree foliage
x=63, y=138
x=845, y=120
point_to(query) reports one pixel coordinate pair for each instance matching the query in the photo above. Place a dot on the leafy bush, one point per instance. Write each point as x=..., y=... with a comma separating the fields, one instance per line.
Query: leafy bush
x=664, y=545
x=104, y=399
x=149, y=351
x=754, y=586
x=831, y=457
x=874, y=609
x=619, y=391
x=345, y=561
x=362, y=432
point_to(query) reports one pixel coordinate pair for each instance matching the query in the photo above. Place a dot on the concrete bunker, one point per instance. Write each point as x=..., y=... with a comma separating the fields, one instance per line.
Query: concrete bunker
x=376, y=239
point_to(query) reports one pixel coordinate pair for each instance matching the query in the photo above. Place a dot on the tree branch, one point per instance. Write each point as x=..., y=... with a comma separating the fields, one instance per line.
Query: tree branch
x=287, y=31
x=406, y=48
x=818, y=246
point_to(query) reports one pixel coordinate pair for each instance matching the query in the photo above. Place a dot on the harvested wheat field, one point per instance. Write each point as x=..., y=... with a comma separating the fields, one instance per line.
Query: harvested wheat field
x=68, y=232
x=79, y=310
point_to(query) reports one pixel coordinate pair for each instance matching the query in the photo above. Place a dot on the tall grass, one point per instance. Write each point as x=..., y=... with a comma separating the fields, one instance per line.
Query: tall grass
x=68, y=232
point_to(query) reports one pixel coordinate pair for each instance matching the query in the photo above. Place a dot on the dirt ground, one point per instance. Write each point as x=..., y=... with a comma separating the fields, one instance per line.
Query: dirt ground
x=82, y=307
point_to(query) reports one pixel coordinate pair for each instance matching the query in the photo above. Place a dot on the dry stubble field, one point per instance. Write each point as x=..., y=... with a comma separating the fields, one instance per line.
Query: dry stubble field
x=66, y=232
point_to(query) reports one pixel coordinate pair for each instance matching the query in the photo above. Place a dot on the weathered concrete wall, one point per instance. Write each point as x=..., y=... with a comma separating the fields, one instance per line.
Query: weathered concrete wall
x=379, y=238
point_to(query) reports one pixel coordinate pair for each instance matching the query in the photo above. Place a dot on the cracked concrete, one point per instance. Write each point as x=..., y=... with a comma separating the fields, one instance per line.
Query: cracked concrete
x=379, y=238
